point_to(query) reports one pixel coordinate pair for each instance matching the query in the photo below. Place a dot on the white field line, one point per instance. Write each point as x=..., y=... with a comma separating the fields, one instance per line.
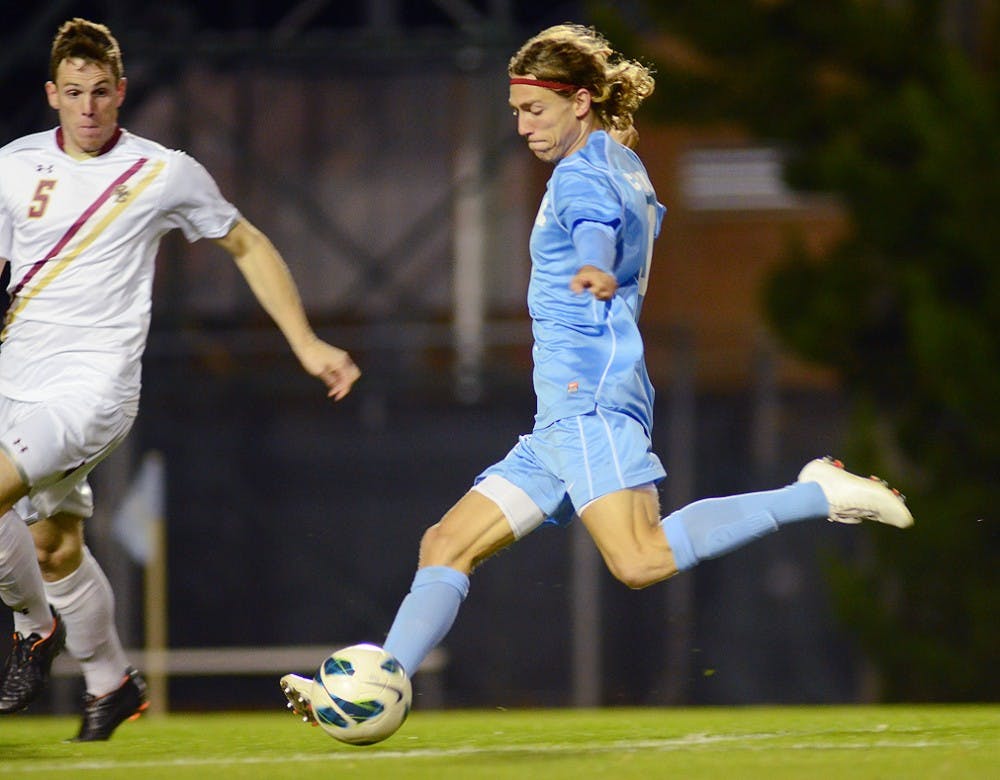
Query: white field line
x=739, y=742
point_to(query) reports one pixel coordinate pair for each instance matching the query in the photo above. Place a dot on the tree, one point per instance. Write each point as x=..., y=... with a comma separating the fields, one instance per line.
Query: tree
x=876, y=103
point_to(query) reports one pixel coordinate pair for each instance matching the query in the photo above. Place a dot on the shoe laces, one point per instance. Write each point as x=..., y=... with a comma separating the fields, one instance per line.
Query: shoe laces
x=20, y=655
x=21, y=649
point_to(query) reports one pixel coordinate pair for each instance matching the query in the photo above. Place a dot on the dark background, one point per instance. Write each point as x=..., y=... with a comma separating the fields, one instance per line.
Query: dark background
x=294, y=521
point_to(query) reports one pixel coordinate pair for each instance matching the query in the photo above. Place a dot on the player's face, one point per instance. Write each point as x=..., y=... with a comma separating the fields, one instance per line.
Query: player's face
x=554, y=125
x=87, y=98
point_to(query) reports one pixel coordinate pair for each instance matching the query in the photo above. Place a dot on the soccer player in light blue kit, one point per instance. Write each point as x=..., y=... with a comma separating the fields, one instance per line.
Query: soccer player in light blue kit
x=589, y=455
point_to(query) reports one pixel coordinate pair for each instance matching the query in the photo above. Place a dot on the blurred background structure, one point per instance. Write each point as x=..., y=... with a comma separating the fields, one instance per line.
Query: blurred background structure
x=826, y=282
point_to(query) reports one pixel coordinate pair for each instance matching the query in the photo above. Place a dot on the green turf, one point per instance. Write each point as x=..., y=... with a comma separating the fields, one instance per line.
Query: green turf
x=909, y=742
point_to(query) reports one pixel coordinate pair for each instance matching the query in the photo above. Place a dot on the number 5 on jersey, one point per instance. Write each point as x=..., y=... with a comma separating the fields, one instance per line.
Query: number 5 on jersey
x=41, y=200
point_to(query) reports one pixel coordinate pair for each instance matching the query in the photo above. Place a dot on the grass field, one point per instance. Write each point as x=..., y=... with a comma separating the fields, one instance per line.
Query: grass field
x=910, y=742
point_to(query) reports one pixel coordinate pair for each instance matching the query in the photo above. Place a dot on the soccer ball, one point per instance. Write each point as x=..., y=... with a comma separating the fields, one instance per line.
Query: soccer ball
x=361, y=695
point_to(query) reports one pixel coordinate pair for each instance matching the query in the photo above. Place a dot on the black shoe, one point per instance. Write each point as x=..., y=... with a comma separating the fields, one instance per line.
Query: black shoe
x=27, y=670
x=103, y=714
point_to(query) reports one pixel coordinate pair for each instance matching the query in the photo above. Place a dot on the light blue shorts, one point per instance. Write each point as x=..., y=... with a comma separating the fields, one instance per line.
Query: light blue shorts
x=573, y=461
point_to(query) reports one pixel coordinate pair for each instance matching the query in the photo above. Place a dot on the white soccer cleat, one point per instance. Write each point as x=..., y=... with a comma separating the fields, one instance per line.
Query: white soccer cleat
x=298, y=691
x=854, y=499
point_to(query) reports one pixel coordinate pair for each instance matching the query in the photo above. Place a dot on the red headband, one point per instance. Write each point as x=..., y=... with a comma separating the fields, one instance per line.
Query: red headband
x=558, y=86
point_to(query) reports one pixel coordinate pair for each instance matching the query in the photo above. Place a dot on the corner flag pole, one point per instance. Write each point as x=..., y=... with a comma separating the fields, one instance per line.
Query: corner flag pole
x=155, y=617
x=139, y=526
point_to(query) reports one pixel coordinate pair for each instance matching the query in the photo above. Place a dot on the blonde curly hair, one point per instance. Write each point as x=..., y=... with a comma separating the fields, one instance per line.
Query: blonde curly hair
x=581, y=56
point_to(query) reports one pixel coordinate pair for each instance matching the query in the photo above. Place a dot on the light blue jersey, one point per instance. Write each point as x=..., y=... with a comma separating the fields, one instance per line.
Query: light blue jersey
x=588, y=354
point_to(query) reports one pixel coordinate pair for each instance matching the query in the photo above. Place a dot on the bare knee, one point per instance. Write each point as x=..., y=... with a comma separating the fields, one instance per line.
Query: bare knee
x=633, y=577
x=469, y=533
x=625, y=526
x=433, y=546
x=638, y=572
x=440, y=547
x=58, y=545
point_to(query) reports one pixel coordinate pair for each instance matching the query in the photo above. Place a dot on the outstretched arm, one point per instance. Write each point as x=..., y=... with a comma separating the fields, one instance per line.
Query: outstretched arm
x=271, y=283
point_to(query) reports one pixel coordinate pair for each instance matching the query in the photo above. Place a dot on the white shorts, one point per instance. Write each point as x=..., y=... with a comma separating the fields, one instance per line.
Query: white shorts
x=55, y=444
x=79, y=502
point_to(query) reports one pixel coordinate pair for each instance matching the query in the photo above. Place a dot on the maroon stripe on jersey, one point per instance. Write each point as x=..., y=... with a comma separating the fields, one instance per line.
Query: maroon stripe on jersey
x=80, y=222
x=61, y=141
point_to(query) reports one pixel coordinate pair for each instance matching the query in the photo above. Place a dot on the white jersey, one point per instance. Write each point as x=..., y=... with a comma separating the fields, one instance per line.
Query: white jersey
x=81, y=238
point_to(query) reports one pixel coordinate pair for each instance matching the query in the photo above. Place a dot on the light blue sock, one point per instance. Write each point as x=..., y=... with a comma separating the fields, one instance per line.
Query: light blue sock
x=426, y=614
x=716, y=526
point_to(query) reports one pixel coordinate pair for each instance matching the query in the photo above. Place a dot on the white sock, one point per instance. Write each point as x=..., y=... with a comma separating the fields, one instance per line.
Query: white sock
x=21, y=586
x=86, y=603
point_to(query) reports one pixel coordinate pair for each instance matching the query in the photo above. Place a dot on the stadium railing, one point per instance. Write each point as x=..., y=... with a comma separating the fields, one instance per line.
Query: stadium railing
x=248, y=661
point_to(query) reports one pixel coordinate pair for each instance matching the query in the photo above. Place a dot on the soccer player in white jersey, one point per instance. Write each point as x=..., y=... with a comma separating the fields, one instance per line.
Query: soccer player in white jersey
x=82, y=211
x=589, y=454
